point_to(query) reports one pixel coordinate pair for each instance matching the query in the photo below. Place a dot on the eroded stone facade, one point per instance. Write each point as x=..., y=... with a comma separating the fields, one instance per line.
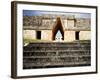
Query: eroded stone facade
x=46, y=23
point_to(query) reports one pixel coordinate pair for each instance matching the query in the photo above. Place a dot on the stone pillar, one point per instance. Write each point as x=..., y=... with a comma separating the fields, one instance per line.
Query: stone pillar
x=46, y=35
x=85, y=35
x=69, y=36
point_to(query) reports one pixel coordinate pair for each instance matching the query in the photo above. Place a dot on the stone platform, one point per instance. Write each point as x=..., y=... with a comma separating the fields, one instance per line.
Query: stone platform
x=49, y=55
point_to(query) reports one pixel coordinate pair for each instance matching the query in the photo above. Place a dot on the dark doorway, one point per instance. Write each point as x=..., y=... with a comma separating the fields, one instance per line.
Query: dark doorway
x=77, y=35
x=38, y=34
x=57, y=27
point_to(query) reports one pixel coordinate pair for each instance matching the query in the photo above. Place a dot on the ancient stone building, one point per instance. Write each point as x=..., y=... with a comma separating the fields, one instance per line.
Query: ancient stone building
x=46, y=27
x=53, y=53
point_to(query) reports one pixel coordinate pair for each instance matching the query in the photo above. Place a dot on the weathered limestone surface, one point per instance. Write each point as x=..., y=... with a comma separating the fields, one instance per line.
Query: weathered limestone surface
x=49, y=55
x=46, y=23
x=69, y=36
x=85, y=35
x=70, y=23
x=46, y=35
x=29, y=34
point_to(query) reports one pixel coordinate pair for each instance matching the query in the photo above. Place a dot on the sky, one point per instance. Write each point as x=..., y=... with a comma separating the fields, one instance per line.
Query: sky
x=58, y=35
x=37, y=13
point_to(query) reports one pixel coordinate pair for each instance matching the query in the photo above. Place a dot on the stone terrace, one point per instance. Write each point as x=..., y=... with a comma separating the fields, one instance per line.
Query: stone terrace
x=50, y=55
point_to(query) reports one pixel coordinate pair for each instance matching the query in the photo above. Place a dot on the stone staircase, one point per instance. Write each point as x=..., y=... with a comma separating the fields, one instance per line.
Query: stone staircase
x=63, y=54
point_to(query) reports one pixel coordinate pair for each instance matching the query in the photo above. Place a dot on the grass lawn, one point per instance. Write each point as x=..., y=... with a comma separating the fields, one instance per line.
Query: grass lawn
x=33, y=40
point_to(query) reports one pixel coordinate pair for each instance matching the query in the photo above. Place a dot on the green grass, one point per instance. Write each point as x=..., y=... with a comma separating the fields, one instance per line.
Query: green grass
x=33, y=40
x=27, y=40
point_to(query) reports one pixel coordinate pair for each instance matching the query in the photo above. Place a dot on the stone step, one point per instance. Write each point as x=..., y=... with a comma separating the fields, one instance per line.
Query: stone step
x=59, y=52
x=61, y=46
x=57, y=44
x=63, y=56
x=50, y=65
x=58, y=48
x=48, y=59
x=57, y=63
x=43, y=55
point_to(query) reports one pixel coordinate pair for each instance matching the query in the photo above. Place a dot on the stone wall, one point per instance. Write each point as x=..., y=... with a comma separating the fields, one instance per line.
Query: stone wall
x=70, y=23
x=46, y=35
x=44, y=22
x=29, y=34
x=64, y=24
x=85, y=35
x=69, y=36
x=83, y=22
